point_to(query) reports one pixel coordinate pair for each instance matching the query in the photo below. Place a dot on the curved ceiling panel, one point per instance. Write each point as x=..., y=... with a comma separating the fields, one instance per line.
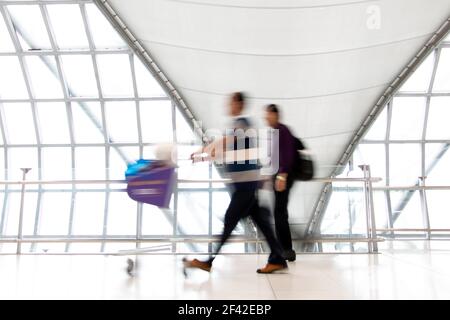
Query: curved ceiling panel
x=284, y=77
x=306, y=27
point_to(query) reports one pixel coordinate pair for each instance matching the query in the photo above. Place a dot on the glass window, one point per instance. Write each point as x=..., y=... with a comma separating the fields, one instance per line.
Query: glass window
x=156, y=221
x=55, y=213
x=53, y=123
x=80, y=77
x=56, y=165
x=412, y=110
x=193, y=212
x=356, y=208
x=421, y=78
x=220, y=202
x=87, y=122
x=11, y=222
x=373, y=155
x=90, y=164
x=349, y=205
x=3, y=203
x=44, y=77
x=118, y=165
x=378, y=129
x=122, y=120
x=432, y=152
x=440, y=174
x=15, y=114
x=146, y=84
x=115, y=75
x=2, y=166
x=411, y=216
x=442, y=80
x=29, y=23
x=191, y=171
x=184, y=131
x=122, y=213
x=68, y=26
x=337, y=219
x=103, y=33
x=25, y=46
x=405, y=164
x=6, y=45
x=405, y=159
x=438, y=119
x=156, y=121
x=89, y=213
x=22, y=157
x=12, y=84
x=381, y=209
x=438, y=210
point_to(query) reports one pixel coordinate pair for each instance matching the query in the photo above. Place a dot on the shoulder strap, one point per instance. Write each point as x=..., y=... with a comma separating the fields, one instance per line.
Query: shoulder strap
x=298, y=144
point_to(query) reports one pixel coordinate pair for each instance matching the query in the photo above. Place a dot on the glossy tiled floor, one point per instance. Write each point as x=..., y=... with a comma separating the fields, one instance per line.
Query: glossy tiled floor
x=400, y=271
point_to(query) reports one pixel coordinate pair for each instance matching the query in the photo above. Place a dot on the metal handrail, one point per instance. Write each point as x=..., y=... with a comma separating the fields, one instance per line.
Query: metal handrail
x=412, y=230
x=179, y=240
x=29, y=182
x=371, y=238
x=402, y=188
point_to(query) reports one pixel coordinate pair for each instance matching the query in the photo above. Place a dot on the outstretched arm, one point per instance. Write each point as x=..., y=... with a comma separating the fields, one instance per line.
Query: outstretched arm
x=212, y=151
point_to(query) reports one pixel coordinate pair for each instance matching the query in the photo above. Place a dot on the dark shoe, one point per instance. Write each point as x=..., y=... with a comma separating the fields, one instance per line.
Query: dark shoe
x=206, y=266
x=271, y=268
x=290, y=255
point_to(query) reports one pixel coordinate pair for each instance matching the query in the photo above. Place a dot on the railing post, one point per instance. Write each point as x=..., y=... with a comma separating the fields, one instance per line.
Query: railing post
x=423, y=200
x=22, y=200
x=372, y=212
x=367, y=198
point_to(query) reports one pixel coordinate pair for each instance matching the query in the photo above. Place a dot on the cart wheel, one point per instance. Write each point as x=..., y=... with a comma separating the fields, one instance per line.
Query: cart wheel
x=130, y=267
x=185, y=273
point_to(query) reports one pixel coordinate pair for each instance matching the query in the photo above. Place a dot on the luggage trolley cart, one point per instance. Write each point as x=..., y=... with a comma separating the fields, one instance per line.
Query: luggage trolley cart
x=151, y=182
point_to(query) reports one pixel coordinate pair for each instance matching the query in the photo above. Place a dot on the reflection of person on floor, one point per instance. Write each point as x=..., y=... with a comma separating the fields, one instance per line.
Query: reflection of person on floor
x=283, y=181
x=244, y=201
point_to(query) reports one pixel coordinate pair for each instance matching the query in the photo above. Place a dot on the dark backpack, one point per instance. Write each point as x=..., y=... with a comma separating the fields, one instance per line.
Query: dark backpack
x=303, y=169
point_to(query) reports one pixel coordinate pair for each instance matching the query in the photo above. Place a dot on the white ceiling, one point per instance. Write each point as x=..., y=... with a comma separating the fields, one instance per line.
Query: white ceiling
x=317, y=59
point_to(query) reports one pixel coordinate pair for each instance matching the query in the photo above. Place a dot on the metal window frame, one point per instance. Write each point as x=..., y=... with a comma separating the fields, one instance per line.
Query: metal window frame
x=151, y=65
x=314, y=223
x=69, y=98
x=18, y=48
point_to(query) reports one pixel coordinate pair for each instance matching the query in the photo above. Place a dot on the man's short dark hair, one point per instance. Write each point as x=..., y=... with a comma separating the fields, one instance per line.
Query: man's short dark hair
x=273, y=108
x=239, y=97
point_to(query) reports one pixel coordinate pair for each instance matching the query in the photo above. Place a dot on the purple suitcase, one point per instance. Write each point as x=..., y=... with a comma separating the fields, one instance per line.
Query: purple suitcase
x=153, y=186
